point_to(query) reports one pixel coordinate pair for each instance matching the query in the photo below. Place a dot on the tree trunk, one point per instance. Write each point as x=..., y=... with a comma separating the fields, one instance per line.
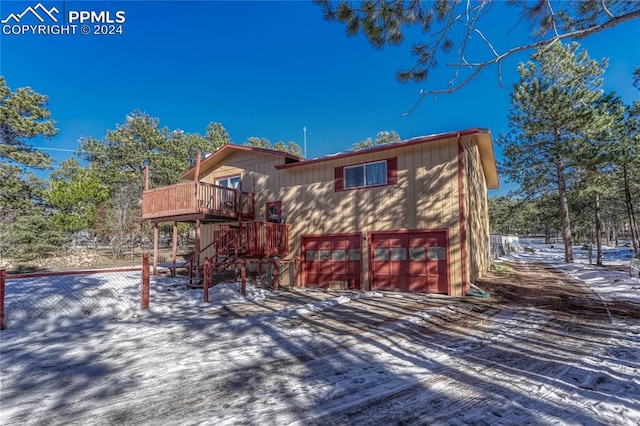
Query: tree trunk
x=598, y=230
x=564, y=213
x=629, y=202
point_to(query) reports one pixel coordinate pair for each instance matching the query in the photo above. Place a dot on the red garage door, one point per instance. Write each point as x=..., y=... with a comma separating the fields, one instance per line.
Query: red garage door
x=334, y=257
x=414, y=261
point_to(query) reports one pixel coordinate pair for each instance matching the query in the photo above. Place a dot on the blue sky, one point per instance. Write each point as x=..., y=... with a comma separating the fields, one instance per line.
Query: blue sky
x=263, y=69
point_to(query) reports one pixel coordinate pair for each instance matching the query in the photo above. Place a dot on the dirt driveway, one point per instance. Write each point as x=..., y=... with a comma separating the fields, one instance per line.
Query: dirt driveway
x=541, y=350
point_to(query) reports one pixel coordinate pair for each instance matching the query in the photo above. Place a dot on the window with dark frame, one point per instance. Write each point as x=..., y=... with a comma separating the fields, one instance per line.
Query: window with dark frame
x=373, y=174
x=364, y=175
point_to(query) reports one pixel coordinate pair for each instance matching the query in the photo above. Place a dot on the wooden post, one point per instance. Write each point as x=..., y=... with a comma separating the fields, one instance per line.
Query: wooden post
x=155, y=248
x=146, y=177
x=276, y=274
x=205, y=281
x=235, y=258
x=175, y=247
x=145, y=281
x=196, y=178
x=197, y=248
x=3, y=275
x=244, y=276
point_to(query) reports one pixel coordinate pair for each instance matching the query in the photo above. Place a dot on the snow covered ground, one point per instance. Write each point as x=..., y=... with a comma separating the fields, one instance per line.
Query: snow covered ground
x=309, y=357
x=608, y=283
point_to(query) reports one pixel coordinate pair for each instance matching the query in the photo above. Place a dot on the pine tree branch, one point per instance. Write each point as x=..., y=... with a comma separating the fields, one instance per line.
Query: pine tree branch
x=479, y=66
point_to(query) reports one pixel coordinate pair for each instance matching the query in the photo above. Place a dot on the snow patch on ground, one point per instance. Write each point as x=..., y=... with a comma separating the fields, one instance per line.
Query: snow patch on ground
x=609, y=284
x=228, y=362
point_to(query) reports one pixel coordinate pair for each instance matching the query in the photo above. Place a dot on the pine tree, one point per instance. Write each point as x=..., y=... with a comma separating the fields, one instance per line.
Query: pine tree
x=551, y=115
x=23, y=116
x=382, y=137
x=263, y=143
x=74, y=195
x=32, y=236
x=454, y=31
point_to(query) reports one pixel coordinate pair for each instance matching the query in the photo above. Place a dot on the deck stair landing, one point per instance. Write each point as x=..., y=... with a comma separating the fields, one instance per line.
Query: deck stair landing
x=236, y=241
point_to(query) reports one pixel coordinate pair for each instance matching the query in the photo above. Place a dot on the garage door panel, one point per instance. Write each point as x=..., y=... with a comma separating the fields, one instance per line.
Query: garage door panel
x=419, y=240
x=310, y=267
x=398, y=268
x=313, y=278
x=341, y=243
x=352, y=268
x=443, y=284
x=399, y=240
x=382, y=240
x=325, y=268
x=332, y=258
x=417, y=269
x=382, y=283
x=311, y=245
x=417, y=284
x=432, y=268
x=400, y=283
x=339, y=267
x=433, y=284
x=415, y=261
x=442, y=268
x=324, y=279
x=381, y=268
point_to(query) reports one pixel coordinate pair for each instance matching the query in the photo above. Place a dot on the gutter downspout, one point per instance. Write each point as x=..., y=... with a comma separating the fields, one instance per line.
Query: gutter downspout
x=463, y=231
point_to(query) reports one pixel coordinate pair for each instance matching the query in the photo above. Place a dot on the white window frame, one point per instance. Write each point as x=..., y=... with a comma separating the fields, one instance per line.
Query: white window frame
x=364, y=171
x=228, y=180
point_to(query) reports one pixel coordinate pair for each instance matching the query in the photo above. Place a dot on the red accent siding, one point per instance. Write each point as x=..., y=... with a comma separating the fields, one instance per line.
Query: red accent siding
x=392, y=171
x=463, y=232
x=339, y=179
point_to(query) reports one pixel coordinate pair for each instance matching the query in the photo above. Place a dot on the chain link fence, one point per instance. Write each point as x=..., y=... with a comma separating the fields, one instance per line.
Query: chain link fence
x=269, y=274
x=116, y=292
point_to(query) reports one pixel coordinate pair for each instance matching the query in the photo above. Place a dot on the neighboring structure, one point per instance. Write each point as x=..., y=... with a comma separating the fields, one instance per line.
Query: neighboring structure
x=407, y=216
x=504, y=244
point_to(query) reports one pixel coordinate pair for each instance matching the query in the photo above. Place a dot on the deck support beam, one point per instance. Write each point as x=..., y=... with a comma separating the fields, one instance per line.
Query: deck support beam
x=175, y=248
x=155, y=248
x=197, y=248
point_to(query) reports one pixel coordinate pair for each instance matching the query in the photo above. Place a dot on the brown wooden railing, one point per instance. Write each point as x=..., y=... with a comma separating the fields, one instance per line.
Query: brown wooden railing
x=192, y=198
x=260, y=238
x=249, y=238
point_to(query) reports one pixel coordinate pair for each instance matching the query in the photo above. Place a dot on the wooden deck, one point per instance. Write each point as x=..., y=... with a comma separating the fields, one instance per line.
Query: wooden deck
x=190, y=200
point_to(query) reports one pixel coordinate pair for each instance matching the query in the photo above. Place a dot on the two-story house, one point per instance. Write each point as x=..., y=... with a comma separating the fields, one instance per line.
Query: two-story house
x=405, y=216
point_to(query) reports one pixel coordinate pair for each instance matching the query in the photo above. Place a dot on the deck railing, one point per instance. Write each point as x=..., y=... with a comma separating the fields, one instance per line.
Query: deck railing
x=261, y=238
x=191, y=198
x=248, y=239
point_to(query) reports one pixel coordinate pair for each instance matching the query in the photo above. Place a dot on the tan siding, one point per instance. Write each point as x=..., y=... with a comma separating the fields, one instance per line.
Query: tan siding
x=206, y=238
x=426, y=197
x=476, y=212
